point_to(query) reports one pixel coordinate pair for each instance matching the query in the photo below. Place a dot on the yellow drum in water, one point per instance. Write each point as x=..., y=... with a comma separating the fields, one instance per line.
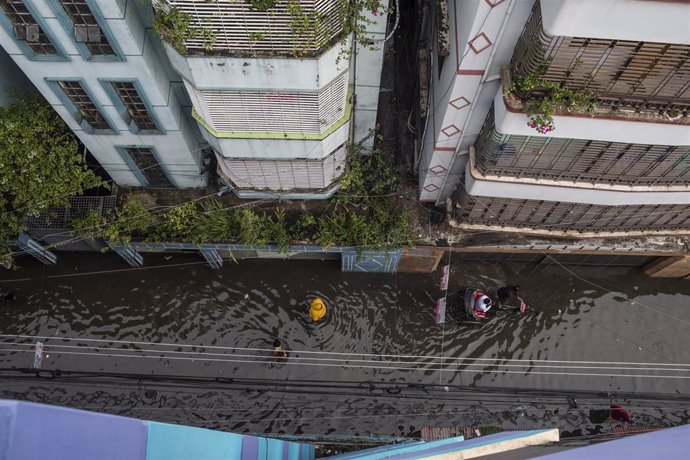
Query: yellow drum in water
x=317, y=309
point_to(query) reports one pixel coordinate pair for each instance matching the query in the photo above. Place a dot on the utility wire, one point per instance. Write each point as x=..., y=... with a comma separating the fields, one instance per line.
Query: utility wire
x=294, y=357
x=323, y=352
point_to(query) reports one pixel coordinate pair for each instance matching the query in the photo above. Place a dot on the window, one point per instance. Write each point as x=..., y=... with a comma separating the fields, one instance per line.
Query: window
x=26, y=28
x=137, y=111
x=86, y=28
x=87, y=110
x=148, y=165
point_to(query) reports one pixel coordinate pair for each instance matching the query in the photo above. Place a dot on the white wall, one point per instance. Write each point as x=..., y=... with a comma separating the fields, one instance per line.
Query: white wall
x=367, y=69
x=636, y=20
x=259, y=73
x=460, y=99
x=584, y=127
x=178, y=148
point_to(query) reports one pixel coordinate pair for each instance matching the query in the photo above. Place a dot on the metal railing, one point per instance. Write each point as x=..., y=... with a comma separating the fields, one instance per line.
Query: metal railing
x=56, y=218
x=301, y=27
x=639, y=76
x=579, y=160
x=559, y=216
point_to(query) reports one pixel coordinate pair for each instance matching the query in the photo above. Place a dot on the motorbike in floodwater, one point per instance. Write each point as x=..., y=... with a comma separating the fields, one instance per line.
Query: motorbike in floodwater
x=467, y=314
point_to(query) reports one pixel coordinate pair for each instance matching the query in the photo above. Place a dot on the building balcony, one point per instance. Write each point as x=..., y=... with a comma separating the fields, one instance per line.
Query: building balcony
x=555, y=218
x=238, y=28
x=607, y=164
x=624, y=77
x=600, y=122
x=662, y=21
x=297, y=178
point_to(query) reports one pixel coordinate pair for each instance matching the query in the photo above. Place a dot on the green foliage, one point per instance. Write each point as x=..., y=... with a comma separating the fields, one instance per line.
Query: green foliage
x=354, y=16
x=310, y=28
x=252, y=228
x=262, y=5
x=89, y=225
x=307, y=28
x=121, y=226
x=214, y=224
x=40, y=164
x=174, y=26
x=367, y=178
x=372, y=187
x=305, y=227
x=256, y=36
x=180, y=222
x=368, y=213
x=278, y=230
x=544, y=98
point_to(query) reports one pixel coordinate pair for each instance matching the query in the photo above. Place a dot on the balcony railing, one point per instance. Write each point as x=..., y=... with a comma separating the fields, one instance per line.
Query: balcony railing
x=558, y=216
x=291, y=27
x=579, y=160
x=639, y=76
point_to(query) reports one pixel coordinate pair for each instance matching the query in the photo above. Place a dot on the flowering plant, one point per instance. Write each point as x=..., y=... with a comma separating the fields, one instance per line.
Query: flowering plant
x=544, y=98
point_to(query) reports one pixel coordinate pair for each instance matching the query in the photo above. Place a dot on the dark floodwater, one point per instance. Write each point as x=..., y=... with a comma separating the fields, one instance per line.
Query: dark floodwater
x=593, y=334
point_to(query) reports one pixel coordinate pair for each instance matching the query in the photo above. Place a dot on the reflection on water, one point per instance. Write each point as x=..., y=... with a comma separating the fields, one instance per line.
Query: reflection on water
x=580, y=316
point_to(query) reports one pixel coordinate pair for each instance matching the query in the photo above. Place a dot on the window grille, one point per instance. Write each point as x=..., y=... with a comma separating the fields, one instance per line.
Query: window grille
x=136, y=108
x=148, y=165
x=298, y=174
x=554, y=215
x=243, y=30
x=26, y=28
x=581, y=160
x=86, y=108
x=621, y=73
x=276, y=111
x=86, y=28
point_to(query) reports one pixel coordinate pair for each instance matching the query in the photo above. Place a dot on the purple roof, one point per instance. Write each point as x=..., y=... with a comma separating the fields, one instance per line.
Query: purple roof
x=668, y=443
x=34, y=431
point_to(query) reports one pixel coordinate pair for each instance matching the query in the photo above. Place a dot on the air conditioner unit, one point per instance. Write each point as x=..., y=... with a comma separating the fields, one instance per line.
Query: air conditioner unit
x=20, y=32
x=32, y=33
x=81, y=34
x=94, y=34
x=87, y=34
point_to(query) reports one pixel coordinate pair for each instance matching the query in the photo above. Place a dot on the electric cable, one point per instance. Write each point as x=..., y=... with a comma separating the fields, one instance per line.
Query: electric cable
x=323, y=352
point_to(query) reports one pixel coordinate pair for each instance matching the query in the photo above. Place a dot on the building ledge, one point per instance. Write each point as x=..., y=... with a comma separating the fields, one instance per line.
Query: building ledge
x=600, y=186
x=260, y=72
x=266, y=194
x=562, y=233
x=477, y=184
x=275, y=135
x=635, y=20
x=604, y=124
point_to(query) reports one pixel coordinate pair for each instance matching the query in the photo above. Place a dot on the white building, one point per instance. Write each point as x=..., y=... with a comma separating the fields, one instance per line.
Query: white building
x=102, y=70
x=273, y=94
x=620, y=168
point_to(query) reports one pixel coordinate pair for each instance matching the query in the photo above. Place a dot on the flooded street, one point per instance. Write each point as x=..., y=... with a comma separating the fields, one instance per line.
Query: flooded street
x=179, y=342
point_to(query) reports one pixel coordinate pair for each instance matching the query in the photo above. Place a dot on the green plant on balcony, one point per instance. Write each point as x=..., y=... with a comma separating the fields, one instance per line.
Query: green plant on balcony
x=307, y=28
x=262, y=5
x=353, y=15
x=310, y=28
x=256, y=36
x=174, y=26
x=543, y=99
